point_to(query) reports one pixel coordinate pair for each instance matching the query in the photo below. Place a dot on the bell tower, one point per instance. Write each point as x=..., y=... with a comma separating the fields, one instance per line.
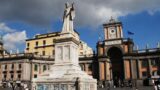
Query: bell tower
x=113, y=29
x=111, y=51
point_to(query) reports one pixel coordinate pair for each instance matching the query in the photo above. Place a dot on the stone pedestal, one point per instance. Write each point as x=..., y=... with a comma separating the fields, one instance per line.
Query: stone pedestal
x=66, y=73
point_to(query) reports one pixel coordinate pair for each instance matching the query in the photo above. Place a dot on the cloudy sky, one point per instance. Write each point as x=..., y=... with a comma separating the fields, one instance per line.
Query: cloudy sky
x=22, y=19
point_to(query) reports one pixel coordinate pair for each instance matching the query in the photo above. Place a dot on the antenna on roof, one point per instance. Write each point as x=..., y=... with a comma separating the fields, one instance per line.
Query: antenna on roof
x=17, y=51
x=147, y=46
x=4, y=52
x=158, y=45
x=136, y=47
x=10, y=51
x=1, y=38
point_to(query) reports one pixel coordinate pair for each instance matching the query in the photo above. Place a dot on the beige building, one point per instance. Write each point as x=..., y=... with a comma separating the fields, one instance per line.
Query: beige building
x=42, y=44
x=22, y=68
x=84, y=49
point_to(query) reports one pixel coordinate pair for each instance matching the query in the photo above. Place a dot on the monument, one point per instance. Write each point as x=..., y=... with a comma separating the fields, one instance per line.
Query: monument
x=66, y=73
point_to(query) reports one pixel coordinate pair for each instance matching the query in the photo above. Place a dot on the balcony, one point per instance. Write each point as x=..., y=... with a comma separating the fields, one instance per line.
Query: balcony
x=43, y=46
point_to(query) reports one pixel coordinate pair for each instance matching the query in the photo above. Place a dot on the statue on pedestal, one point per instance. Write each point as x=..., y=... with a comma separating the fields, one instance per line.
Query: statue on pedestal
x=69, y=15
x=65, y=73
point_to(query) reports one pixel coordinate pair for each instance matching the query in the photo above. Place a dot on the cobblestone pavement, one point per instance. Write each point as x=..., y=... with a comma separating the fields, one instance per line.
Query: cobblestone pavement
x=128, y=88
x=125, y=88
x=9, y=89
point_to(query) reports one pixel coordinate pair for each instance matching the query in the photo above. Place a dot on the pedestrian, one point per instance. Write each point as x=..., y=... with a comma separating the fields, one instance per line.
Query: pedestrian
x=102, y=86
x=154, y=85
x=108, y=85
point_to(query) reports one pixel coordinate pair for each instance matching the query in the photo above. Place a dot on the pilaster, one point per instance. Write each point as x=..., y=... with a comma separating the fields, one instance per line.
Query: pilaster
x=125, y=73
x=130, y=64
x=149, y=66
x=139, y=69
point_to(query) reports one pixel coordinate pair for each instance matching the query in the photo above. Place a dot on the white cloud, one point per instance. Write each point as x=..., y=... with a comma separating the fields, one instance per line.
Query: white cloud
x=5, y=29
x=13, y=40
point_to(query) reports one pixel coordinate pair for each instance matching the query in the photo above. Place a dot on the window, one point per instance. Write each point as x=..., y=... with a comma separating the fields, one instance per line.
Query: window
x=12, y=67
x=12, y=76
x=53, y=52
x=20, y=66
x=35, y=67
x=44, y=68
x=5, y=76
x=27, y=45
x=5, y=67
x=37, y=44
x=19, y=76
x=144, y=74
x=44, y=42
x=43, y=52
x=36, y=53
x=144, y=63
x=90, y=67
x=35, y=75
x=81, y=53
x=54, y=41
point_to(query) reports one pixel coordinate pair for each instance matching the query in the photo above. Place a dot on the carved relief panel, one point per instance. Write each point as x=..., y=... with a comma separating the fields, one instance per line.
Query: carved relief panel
x=67, y=52
x=60, y=52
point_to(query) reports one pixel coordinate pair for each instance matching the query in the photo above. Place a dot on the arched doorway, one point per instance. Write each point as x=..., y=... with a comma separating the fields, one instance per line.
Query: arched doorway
x=116, y=57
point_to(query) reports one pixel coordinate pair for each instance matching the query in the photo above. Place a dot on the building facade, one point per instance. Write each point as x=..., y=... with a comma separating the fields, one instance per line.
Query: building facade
x=116, y=58
x=38, y=57
x=44, y=44
x=22, y=68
